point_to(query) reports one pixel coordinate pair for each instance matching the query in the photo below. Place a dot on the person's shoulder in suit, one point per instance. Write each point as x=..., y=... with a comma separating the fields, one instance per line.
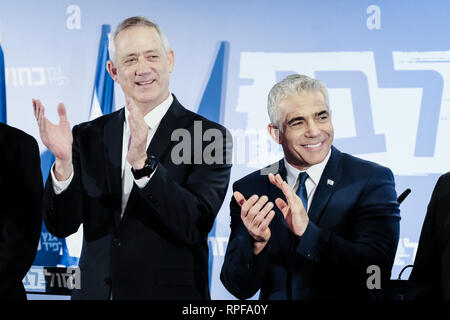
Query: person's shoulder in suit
x=351, y=166
x=17, y=143
x=99, y=122
x=438, y=209
x=443, y=184
x=354, y=167
x=257, y=181
x=193, y=116
x=194, y=122
x=12, y=134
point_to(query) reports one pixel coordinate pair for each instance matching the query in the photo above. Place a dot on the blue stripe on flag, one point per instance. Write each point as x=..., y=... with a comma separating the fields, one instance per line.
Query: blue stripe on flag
x=212, y=103
x=2, y=87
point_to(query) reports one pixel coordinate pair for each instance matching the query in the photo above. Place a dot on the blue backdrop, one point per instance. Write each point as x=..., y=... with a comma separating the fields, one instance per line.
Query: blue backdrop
x=387, y=64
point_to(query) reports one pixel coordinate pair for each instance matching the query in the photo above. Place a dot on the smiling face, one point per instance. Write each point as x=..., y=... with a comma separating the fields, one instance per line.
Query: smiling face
x=307, y=132
x=142, y=67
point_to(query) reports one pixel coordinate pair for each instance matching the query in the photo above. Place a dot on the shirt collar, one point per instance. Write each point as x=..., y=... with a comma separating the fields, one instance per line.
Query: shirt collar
x=314, y=172
x=154, y=117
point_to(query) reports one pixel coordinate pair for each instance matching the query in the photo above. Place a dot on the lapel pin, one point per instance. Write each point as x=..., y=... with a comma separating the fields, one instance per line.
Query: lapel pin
x=330, y=182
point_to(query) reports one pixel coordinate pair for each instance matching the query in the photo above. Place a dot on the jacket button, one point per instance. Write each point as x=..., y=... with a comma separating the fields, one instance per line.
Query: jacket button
x=116, y=242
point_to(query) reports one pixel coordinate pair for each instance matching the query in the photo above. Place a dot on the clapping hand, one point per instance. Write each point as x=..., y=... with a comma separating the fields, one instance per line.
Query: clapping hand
x=256, y=214
x=57, y=138
x=293, y=211
x=137, y=154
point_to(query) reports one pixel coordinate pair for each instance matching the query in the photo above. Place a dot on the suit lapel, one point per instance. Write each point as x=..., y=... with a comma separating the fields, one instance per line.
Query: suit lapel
x=327, y=184
x=171, y=121
x=112, y=137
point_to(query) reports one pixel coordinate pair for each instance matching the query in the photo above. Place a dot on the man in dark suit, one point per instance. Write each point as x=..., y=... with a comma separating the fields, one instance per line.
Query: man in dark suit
x=147, y=201
x=309, y=226
x=430, y=277
x=21, y=204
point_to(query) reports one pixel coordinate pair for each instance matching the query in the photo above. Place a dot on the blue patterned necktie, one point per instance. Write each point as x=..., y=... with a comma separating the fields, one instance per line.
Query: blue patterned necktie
x=301, y=191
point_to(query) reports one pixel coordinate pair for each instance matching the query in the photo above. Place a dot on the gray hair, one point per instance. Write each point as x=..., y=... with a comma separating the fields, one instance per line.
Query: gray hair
x=292, y=84
x=132, y=22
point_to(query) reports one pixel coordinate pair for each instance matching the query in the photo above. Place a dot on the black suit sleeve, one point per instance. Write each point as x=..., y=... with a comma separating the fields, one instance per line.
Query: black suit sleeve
x=21, y=218
x=63, y=212
x=242, y=271
x=430, y=277
x=189, y=210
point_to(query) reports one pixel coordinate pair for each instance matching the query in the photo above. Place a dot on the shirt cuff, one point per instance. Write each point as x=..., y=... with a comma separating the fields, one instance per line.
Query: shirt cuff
x=60, y=186
x=142, y=182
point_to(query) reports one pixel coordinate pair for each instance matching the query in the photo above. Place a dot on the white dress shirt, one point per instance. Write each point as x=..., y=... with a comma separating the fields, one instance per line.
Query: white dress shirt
x=152, y=119
x=314, y=173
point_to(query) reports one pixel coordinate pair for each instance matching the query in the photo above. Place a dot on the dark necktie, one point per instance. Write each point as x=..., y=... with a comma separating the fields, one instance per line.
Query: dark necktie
x=301, y=191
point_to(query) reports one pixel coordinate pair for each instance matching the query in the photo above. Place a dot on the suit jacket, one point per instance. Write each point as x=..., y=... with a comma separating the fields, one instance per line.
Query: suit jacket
x=158, y=250
x=354, y=223
x=20, y=208
x=430, y=277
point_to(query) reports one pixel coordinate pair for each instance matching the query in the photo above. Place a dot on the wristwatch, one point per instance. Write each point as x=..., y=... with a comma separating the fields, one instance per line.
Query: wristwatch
x=149, y=166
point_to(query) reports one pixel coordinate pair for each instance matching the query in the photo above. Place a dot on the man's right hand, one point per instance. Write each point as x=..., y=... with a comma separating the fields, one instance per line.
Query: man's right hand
x=256, y=213
x=57, y=138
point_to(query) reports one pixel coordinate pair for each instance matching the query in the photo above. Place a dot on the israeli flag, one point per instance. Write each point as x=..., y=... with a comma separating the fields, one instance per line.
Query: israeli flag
x=102, y=103
x=103, y=96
